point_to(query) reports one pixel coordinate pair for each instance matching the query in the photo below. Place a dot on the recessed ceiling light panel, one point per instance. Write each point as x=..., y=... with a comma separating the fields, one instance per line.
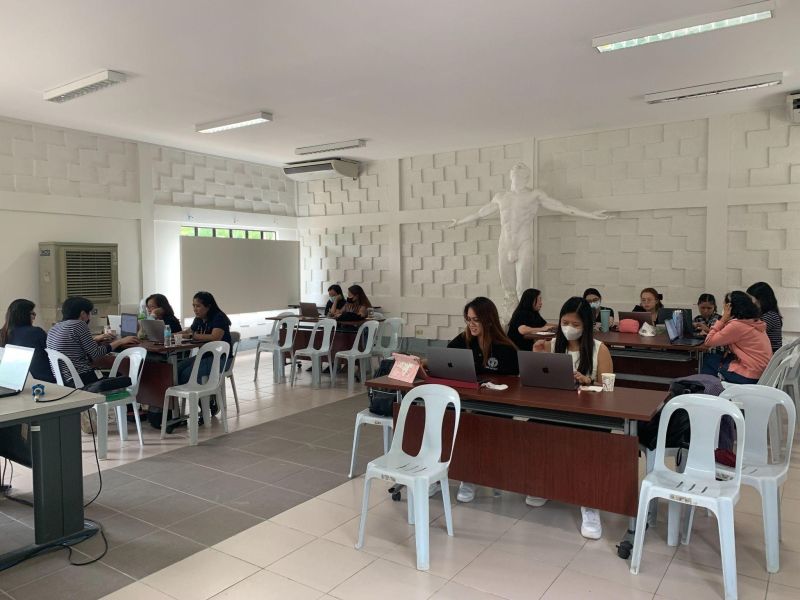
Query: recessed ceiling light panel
x=671, y=30
x=234, y=122
x=714, y=89
x=332, y=147
x=81, y=87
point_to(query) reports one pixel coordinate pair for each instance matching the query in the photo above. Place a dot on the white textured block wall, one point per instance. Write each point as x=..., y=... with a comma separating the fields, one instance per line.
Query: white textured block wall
x=189, y=179
x=459, y=178
x=433, y=326
x=642, y=160
x=663, y=248
x=344, y=196
x=41, y=159
x=765, y=149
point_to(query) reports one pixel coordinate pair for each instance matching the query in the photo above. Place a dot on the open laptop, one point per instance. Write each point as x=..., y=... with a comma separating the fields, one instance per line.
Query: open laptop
x=128, y=324
x=665, y=314
x=642, y=317
x=309, y=310
x=453, y=364
x=14, y=367
x=680, y=341
x=154, y=330
x=546, y=370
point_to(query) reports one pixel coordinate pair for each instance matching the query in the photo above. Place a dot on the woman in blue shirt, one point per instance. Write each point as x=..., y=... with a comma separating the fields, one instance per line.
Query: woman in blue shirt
x=19, y=330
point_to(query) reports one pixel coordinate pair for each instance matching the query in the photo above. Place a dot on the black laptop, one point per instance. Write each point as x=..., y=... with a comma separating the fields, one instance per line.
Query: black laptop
x=680, y=341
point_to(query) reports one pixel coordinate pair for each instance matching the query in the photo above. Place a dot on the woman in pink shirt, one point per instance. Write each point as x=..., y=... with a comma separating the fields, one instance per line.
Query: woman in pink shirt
x=741, y=329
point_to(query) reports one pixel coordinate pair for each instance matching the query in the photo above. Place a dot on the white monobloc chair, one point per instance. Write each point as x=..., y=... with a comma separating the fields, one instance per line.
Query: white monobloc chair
x=390, y=330
x=314, y=354
x=236, y=339
x=758, y=403
x=368, y=329
x=269, y=343
x=418, y=472
x=196, y=392
x=57, y=359
x=365, y=417
x=281, y=351
x=697, y=485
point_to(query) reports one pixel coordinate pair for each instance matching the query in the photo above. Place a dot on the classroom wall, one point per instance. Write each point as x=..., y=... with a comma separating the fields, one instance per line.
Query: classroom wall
x=702, y=205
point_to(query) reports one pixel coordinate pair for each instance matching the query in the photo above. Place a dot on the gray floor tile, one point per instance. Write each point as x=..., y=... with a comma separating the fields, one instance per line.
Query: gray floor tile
x=224, y=488
x=275, y=427
x=312, y=482
x=224, y=459
x=321, y=458
x=170, y=509
x=188, y=475
x=236, y=439
x=148, y=554
x=149, y=466
x=214, y=525
x=112, y=478
x=118, y=529
x=304, y=433
x=371, y=439
x=95, y=581
x=327, y=421
x=269, y=470
x=14, y=535
x=132, y=495
x=272, y=446
x=267, y=501
x=33, y=568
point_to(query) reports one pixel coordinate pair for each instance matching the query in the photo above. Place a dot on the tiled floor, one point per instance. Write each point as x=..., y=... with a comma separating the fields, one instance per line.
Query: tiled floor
x=269, y=513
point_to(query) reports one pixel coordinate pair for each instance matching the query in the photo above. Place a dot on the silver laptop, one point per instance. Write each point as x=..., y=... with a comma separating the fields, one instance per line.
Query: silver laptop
x=546, y=370
x=309, y=310
x=154, y=330
x=672, y=333
x=128, y=324
x=452, y=363
x=14, y=367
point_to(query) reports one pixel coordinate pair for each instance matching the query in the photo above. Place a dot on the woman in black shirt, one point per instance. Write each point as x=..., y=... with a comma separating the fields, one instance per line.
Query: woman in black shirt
x=335, y=299
x=159, y=308
x=526, y=321
x=593, y=297
x=19, y=330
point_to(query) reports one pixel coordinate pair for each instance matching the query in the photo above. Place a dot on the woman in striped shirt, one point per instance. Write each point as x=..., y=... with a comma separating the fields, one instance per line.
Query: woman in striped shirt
x=765, y=298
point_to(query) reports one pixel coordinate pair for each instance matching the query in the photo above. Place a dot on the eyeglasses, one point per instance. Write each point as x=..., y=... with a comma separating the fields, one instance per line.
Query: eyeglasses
x=474, y=320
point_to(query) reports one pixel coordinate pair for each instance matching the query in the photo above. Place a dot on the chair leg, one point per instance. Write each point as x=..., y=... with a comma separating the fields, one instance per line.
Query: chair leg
x=448, y=508
x=193, y=416
x=638, y=536
x=356, y=435
x=235, y=395
x=673, y=522
x=205, y=408
x=316, y=371
x=276, y=377
x=772, y=526
x=387, y=438
x=362, y=525
x=102, y=429
x=410, y=504
x=293, y=373
x=122, y=422
x=686, y=536
x=351, y=375
x=138, y=421
x=223, y=409
x=165, y=416
x=727, y=547
x=258, y=357
x=421, y=524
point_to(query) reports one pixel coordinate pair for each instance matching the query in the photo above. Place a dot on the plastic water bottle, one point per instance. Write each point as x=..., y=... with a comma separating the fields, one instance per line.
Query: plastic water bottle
x=167, y=336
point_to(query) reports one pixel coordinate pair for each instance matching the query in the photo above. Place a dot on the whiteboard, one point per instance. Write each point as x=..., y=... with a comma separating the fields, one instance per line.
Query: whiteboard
x=243, y=275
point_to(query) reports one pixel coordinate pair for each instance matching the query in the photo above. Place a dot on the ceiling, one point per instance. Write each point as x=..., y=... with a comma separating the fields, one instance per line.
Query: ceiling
x=411, y=77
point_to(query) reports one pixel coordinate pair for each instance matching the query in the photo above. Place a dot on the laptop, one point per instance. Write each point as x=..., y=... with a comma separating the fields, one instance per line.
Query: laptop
x=665, y=314
x=14, y=367
x=154, y=330
x=642, y=317
x=546, y=370
x=114, y=321
x=454, y=364
x=309, y=310
x=683, y=341
x=128, y=324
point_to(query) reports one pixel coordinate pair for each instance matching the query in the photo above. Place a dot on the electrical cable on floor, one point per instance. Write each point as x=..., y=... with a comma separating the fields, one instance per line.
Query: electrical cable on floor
x=96, y=457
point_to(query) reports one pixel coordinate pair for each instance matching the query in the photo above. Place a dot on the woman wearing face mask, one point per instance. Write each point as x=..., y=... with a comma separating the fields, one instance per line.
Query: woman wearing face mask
x=650, y=302
x=492, y=351
x=357, y=303
x=335, y=299
x=593, y=297
x=590, y=359
x=526, y=322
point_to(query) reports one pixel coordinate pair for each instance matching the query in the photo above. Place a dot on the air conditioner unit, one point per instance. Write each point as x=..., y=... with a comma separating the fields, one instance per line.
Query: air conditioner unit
x=88, y=270
x=310, y=170
x=793, y=106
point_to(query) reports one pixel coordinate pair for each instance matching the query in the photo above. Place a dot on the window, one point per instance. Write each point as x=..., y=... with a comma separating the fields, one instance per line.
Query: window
x=253, y=235
x=205, y=232
x=239, y=234
x=222, y=233
x=268, y=235
x=188, y=231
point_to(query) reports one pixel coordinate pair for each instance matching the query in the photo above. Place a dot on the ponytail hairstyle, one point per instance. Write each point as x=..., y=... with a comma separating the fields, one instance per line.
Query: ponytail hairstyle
x=707, y=298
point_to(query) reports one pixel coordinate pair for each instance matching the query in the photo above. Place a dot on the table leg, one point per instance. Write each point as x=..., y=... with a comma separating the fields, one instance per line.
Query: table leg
x=630, y=427
x=181, y=419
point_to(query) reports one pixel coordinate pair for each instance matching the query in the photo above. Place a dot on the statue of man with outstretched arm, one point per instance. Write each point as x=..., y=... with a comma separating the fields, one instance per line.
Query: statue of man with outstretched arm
x=518, y=207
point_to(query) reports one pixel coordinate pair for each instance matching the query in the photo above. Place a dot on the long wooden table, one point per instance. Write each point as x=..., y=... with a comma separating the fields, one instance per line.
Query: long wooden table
x=557, y=444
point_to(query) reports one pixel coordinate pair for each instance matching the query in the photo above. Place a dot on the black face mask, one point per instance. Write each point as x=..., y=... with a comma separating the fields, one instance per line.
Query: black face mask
x=351, y=299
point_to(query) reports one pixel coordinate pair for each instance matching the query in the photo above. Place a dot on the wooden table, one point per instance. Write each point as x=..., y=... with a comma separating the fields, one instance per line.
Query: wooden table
x=557, y=444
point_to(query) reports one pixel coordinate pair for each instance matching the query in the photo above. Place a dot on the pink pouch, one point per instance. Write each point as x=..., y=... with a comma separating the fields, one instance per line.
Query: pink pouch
x=628, y=326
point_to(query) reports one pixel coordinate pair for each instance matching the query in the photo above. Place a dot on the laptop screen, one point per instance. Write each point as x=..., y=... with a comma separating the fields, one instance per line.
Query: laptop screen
x=14, y=367
x=129, y=324
x=671, y=332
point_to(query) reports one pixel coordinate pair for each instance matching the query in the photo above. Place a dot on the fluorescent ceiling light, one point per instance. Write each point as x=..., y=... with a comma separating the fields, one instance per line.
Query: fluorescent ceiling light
x=331, y=147
x=81, y=87
x=713, y=89
x=670, y=30
x=234, y=122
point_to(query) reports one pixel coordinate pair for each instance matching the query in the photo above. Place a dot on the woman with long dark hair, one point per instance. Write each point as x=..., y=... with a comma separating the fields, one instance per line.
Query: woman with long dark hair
x=594, y=298
x=357, y=303
x=210, y=325
x=765, y=299
x=159, y=308
x=19, y=330
x=335, y=298
x=526, y=322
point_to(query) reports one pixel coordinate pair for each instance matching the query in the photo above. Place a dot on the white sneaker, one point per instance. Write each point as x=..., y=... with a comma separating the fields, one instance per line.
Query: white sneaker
x=591, y=527
x=466, y=492
x=535, y=501
x=434, y=488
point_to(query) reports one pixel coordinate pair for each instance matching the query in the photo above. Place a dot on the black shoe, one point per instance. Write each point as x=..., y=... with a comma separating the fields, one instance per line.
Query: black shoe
x=309, y=368
x=214, y=407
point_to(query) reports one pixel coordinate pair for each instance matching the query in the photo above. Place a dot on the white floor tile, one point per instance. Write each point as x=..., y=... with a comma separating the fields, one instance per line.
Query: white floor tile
x=316, y=517
x=322, y=564
x=371, y=582
x=264, y=543
x=268, y=586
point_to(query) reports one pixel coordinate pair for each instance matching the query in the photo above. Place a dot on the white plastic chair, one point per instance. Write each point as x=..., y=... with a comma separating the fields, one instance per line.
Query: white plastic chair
x=285, y=349
x=236, y=338
x=196, y=393
x=390, y=329
x=365, y=417
x=418, y=472
x=271, y=342
x=57, y=359
x=368, y=329
x=314, y=354
x=758, y=403
x=697, y=485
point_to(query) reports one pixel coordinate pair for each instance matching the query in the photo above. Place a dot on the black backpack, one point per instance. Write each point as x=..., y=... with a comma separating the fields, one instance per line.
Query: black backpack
x=380, y=401
x=678, y=430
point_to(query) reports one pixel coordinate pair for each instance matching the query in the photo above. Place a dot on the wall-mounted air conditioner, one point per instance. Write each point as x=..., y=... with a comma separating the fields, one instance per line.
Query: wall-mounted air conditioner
x=310, y=170
x=88, y=270
x=793, y=106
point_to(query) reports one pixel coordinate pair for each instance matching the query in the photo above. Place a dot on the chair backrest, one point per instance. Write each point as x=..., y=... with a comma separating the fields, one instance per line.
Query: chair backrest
x=236, y=339
x=371, y=328
x=291, y=323
x=391, y=329
x=276, y=326
x=757, y=403
x=328, y=327
x=219, y=351
x=436, y=399
x=781, y=362
x=1, y=351
x=137, y=357
x=56, y=361
x=705, y=413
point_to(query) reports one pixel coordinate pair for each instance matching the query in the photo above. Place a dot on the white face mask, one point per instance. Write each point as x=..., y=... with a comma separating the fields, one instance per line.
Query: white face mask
x=571, y=333
x=595, y=305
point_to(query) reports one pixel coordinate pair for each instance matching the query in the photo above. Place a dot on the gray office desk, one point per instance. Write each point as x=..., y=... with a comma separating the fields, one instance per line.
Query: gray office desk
x=55, y=456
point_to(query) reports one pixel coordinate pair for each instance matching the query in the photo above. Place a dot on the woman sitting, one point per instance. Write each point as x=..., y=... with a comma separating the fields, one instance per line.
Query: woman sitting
x=357, y=304
x=770, y=313
x=526, y=322
x=650, y=302
x=210, y=325
x=593, y=297
x=159, y=308
x=19, y=330
x=741, y=329
x=335, y=299
x=590, y=358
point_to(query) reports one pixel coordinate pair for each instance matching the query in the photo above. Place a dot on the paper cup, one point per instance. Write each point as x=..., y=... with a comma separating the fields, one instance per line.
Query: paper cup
x=608, y=381
x=178, y=339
